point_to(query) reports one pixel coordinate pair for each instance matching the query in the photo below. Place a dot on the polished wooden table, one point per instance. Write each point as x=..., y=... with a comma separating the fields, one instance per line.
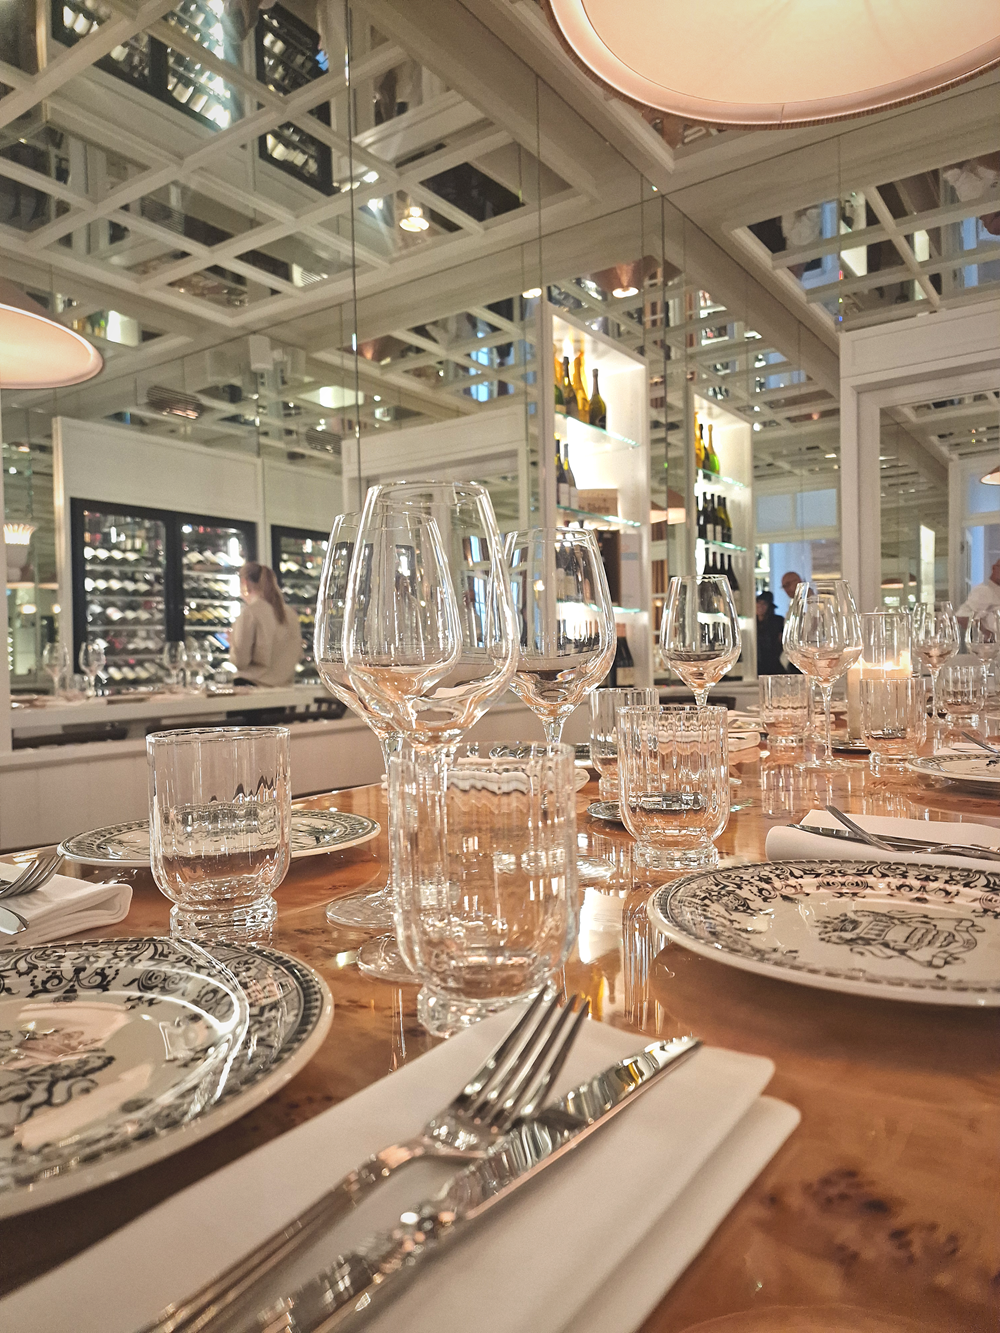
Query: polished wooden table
x=881, y=1211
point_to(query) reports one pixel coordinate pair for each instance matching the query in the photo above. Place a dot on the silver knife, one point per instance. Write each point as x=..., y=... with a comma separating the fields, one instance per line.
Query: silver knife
x=358, y=1284
x=973, y=851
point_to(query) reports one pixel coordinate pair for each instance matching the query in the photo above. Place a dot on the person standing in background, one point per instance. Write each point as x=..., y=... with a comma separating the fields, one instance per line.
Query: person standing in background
x=983, y=597
x=266, y=641
x=770, y=627
x=789, y=582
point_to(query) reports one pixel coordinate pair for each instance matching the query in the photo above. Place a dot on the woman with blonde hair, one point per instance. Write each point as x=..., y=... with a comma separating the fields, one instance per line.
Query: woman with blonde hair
x=266, y=641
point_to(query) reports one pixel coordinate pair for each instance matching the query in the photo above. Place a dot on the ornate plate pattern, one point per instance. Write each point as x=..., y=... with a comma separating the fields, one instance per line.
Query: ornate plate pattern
x=972, y=770
x=101, y=1045
x=287, y=1011
x=921, y=933
x=314, y=832
x=610, y=810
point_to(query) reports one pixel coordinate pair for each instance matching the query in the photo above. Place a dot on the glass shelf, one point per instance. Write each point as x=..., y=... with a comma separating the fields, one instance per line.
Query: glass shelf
x=582, y=431
x=599, y=518
x=720, y=546
x=716, y=479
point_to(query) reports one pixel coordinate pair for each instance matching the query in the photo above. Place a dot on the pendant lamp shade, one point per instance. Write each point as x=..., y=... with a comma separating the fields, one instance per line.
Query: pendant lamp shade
x=778, y=63
x=37, y=352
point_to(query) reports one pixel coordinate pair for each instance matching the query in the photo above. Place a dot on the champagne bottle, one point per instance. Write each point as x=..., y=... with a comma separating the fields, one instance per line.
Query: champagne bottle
x=580, y=389
x=624, y=662
x=562, y=481
x=711, y=457
x=560, y=400
x=574, y=493
x=699, y=447
x=569, y=396
x=598, y=408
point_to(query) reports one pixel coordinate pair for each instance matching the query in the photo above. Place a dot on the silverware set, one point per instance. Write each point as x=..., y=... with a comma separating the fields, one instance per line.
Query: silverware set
x=852, y=832
x=497, y=1124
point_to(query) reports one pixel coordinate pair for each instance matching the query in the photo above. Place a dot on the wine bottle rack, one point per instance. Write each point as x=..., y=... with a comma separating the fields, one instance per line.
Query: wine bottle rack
x=288, y=57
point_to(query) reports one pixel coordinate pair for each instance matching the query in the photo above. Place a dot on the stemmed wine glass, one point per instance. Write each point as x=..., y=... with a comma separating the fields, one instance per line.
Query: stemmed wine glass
x=92, y=663
x=983, y=638
x=175, y=661
x=700, y=632
x=935, y=641
x=57, y=662
x=565, y=621
x=822, y=637
x=428, y=626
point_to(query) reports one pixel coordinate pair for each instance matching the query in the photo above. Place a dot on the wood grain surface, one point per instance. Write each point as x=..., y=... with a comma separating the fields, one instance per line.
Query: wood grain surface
x=881, y=1212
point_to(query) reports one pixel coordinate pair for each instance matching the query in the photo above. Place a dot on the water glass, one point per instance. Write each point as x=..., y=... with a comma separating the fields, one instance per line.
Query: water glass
x=674, y=783
x=893, y=720
x=784, y=709
x=483, y=856
x=604, y=706
x=220, y=810
x=963, y=692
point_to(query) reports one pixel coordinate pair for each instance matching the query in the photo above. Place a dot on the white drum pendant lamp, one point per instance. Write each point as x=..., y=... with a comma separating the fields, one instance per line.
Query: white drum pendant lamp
x=36, y=351
x=769, y=64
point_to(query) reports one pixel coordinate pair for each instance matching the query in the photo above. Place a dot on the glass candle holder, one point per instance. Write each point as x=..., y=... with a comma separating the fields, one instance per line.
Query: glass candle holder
x=674, y=766
x=893, y=720
x=604, y=706
x=483, y=855
x=784, y=709
x=220, y=810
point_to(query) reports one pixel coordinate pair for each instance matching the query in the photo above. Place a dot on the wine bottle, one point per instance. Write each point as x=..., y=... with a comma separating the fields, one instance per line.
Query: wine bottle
x=569, y=396
x=699, y=447
x=734, y=582
x=624, y=662
x=574, y=493
x=702, y=520
x=713, y=519
x=598, y=408
x=580, y=389
x=727, y=521
x=560, y=400
x=711, y=457
x=562, y=481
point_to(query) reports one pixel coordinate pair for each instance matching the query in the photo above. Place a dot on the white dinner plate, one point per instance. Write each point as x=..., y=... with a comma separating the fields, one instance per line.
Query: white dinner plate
x=970, y=769
x=920, y=933
x=314, y=832
x=117, y=1053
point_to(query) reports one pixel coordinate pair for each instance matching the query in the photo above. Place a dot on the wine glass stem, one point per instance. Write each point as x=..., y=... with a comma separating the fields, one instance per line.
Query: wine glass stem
x=701, y=696
x=826, y=689
x=935, y=672
x=553, y=728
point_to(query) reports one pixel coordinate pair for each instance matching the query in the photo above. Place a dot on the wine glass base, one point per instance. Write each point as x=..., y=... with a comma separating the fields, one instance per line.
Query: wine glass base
x=380, y=958
x=253, y=924
x=362, y=911
x=591, y=871
x=443, y=1015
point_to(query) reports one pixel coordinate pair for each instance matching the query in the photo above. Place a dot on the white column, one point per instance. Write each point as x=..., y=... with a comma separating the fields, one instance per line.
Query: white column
x=860, y=497
x=5, y=734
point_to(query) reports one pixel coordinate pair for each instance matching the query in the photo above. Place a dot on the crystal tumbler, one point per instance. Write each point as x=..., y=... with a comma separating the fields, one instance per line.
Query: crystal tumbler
x=484, y=875
x=893, y=720
x=220, y=813
x=674, y=783
x=784, y=708
x=604, y=706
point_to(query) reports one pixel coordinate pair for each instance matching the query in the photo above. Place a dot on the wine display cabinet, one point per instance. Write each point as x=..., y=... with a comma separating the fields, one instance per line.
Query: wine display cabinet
x=595, y=474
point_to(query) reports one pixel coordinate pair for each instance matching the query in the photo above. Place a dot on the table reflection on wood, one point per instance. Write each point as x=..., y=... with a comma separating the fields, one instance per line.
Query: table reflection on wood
x=882, y=1211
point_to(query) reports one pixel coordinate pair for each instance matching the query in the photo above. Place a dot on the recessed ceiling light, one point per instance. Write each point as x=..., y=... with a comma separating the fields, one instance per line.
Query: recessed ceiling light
x=531, y=293
x=370, y=177
x=624, y=291
x=413, y=219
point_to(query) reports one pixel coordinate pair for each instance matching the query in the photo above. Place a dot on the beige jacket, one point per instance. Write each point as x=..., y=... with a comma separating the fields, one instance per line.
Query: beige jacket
x=261, y=649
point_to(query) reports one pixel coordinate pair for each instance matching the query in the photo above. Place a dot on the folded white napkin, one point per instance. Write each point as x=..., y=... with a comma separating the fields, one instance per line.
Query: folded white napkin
x=788, y=844
x=638, y=1200
x=64, y=906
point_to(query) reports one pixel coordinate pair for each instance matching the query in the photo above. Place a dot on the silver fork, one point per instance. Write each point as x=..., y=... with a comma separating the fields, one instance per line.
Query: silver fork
x=990, y=749
x=38, y=873
x=511, y=1084
x=859, y=832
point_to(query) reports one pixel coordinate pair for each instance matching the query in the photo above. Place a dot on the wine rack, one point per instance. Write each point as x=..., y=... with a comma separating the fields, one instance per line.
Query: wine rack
x=147, y=63
x=297, y=557
x=288, y=57
x=211, y=556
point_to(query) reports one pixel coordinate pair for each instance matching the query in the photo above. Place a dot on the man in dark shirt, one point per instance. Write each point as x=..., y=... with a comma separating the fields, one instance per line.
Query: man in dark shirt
x=769, y=630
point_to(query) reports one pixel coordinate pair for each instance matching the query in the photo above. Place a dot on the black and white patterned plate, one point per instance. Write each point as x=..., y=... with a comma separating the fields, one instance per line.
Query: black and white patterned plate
x=103, y=1066
x=314, y=832
x=977, y=772
x=921, y=933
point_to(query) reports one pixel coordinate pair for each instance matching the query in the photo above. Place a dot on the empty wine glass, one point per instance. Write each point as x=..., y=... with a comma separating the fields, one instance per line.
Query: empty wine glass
x=92, y=663
x=371, y=910
x=429, y=638
x=983, y=638
x=822, y=637
x=565, y=621
x=935, y=641
x=175, y=660
x=57, y=662
x=700, y=632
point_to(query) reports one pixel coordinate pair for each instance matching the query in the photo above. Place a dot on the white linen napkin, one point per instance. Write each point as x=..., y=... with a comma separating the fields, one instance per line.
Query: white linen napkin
x=645, y=1192
x=64, y=906
x=788, y=844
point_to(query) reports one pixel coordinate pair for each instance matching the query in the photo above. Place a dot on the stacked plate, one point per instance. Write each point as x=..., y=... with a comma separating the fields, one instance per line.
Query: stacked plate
x=974, y=772
x=117, y=1053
